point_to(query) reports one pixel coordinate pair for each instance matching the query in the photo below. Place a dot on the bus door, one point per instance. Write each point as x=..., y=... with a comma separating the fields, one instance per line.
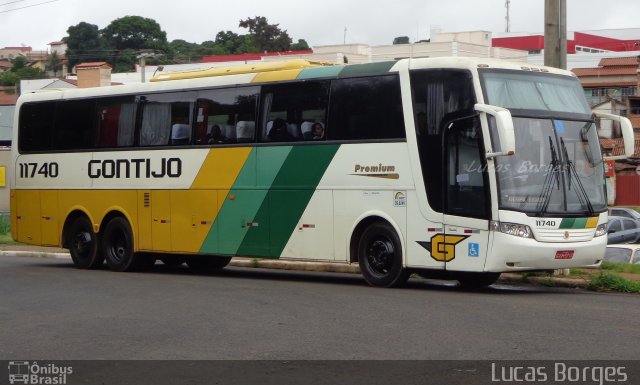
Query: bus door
x=466, y=198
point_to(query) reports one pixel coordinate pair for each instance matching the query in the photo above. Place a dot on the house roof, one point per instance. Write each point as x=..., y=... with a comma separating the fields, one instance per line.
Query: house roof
x=611, y=67
x=57, y=43
x=616, y=146
x=619, y=61
x=97, y=64
x=606, y=71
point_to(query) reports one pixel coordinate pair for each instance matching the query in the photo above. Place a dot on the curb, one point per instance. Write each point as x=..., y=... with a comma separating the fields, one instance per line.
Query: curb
x=326, y=268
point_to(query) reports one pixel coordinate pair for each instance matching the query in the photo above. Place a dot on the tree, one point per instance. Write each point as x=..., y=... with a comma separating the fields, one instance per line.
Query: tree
x=135, y=32
x=401, y=40
x=18, y=63
x=266, y=37
x=301, y=45
x=84, y=44
x=130, y=34
x=9, y=79
x=232, y=43
x=53, y=63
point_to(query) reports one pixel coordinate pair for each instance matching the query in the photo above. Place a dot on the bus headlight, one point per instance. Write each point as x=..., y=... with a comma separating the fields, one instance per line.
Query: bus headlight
x=601, y=230
x=516, y=229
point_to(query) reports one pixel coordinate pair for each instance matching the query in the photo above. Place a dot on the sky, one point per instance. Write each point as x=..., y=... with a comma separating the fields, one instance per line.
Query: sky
x=36, y=23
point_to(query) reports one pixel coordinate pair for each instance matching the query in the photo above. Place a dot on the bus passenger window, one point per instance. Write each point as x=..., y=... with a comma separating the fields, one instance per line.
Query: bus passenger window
x=289, y=110
x=116, y=122
x=226, y=116
x=167, y=119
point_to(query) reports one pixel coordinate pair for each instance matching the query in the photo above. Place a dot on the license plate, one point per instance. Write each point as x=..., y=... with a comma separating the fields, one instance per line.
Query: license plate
x=564, y=254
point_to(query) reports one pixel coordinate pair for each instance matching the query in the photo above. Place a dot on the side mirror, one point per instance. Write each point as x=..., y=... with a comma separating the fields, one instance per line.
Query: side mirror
x=627, y=134
x=504, y=126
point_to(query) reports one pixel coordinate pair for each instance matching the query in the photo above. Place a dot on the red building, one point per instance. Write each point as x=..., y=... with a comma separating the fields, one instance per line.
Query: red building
x=592, y=41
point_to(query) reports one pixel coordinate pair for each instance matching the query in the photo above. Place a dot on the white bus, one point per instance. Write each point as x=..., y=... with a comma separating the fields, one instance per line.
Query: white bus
x=451, y=167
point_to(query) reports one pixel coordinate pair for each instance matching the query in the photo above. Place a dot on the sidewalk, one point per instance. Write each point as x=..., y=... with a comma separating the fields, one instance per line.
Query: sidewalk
x=556, y=281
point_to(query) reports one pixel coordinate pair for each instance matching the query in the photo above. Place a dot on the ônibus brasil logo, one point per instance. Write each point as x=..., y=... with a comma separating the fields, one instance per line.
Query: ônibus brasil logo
x=32, y=373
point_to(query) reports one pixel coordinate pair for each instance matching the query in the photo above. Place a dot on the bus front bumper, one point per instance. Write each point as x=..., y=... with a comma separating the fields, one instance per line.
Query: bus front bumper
x=511, y=253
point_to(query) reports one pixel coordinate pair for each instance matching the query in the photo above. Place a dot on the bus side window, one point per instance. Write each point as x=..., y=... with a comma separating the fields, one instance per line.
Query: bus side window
x=226, y=115
x=366, y=108
x=75, y=125
x=116, y=122
x=167, y=119
x=287, y=107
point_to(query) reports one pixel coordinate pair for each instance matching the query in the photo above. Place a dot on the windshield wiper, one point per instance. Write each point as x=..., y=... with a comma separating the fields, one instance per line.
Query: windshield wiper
x=547, y=187
x=571, y=172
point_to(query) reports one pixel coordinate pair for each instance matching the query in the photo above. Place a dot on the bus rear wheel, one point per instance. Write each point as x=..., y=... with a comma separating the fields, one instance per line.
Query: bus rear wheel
x=83, y=244
x=380, y=256
x=205, y=263
x=117, y=246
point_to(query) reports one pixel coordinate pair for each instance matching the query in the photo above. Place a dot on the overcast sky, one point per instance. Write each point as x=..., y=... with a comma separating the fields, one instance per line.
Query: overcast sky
x=36, y=23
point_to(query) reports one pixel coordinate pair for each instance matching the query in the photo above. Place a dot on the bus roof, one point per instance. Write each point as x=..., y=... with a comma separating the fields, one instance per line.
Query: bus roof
x=280, y=71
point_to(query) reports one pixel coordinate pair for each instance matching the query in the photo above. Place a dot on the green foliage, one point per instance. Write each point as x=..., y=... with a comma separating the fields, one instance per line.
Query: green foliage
x=19, y=63
x=123, y=38
x=136, y=33
x=84, y=44
x=54, y=63
x=607, y=281
x=620, y=267
x=266, y=37
x=9, y=79
x=29, y=73
x=401, y=40
x=5, y=224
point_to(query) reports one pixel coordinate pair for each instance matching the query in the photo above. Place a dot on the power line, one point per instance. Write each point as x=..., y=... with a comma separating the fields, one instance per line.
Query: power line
x=11, y=2
x=29, y=6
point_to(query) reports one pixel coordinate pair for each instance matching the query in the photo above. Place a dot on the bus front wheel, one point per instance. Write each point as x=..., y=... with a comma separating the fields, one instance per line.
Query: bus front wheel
x=83, y=244
x=117, y=246
x=380, y=256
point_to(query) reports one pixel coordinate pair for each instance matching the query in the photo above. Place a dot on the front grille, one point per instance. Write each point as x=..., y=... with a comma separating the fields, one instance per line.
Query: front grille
x=575, y=235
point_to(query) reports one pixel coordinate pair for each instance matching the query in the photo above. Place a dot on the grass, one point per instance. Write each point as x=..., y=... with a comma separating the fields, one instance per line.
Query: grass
x=5, y=231
x=611, y=282
x=620, y=267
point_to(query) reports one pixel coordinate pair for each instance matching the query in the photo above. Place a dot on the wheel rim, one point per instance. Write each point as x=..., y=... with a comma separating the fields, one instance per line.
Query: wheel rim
x=380, y=256
x=83, y=244
x=118, y=246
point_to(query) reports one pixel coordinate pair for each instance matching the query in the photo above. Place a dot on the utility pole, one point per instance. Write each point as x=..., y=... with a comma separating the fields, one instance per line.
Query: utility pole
x=507, y=19
x=555, y=33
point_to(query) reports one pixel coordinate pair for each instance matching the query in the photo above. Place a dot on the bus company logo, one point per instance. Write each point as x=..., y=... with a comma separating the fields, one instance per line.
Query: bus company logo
x=443, y=247
x=378, y=171
x=32, y=373
x=399, y=199
x=135, y=168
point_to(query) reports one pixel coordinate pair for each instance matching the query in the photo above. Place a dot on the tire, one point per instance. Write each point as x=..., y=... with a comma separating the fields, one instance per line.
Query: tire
x=84, y=244
x=477, y=280
x=117, y=247
x=380, y=256
x=204, y=263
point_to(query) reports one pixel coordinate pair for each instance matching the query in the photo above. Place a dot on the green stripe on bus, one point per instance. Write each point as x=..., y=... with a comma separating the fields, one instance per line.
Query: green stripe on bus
x=367, y=69
x=238, y=215
x=320, y=72
x=574, y=223
x=567, y=223
x=287, y=199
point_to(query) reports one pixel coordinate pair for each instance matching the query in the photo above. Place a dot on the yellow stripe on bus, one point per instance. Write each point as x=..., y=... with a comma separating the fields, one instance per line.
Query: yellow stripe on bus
x=277, y=76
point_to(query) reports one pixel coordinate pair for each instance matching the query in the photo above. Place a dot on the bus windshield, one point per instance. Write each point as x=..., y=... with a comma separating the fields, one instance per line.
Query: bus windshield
x=557, y=167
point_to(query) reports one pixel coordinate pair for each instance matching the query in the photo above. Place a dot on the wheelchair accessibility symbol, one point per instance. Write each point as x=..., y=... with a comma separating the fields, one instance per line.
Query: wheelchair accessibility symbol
x=474, y=250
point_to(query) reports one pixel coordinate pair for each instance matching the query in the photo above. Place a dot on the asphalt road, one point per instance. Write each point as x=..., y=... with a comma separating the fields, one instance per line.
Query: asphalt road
x=51, y=311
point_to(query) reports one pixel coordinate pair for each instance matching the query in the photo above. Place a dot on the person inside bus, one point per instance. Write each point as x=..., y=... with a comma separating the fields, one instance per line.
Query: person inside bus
x=216, y=135
x=317, y=131
x=279, y=132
